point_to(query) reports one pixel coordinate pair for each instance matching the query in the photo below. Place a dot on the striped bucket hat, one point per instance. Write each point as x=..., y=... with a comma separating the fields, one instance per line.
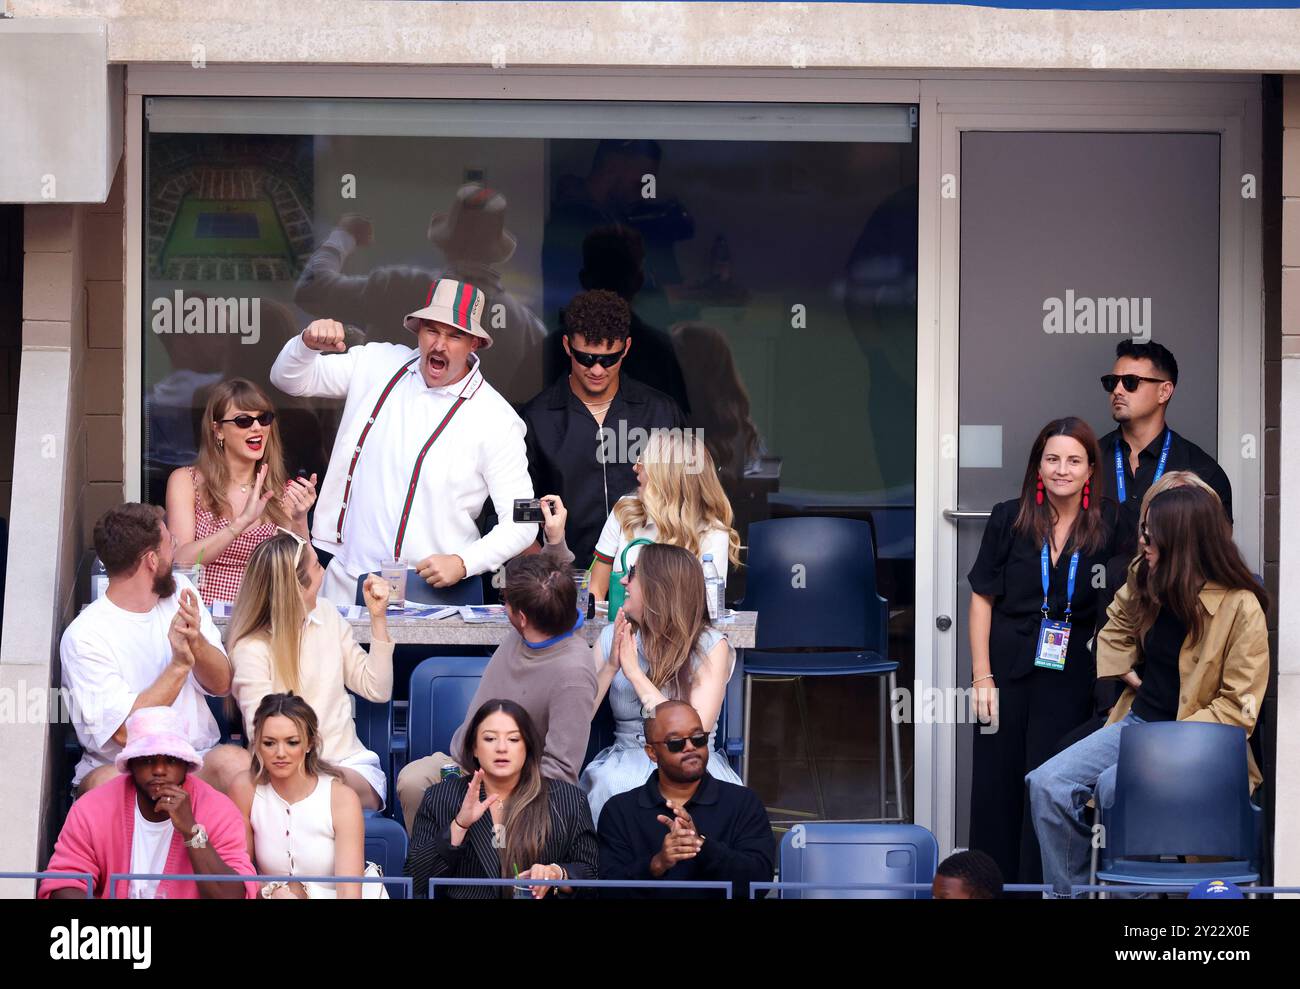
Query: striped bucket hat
x=457, y=304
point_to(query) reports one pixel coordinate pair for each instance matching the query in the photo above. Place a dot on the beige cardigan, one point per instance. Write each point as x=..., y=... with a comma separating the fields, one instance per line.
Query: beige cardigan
x=1222, y=677
x=331, y=664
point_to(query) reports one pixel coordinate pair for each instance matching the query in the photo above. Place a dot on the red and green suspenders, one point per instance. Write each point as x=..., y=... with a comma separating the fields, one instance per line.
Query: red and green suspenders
x=419, y=460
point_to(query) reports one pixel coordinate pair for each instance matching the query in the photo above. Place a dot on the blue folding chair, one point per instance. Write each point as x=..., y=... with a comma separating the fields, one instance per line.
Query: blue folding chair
x=392, y=751
x=813, y=583
x=1181, y=788
x=374, y=723
x=386, y=847
x=441, y=690
x=843, y=852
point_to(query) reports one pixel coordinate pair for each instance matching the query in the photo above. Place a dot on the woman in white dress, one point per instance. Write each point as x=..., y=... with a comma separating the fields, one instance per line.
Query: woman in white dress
x=661, y=647
x=678, y=501
x=303, y=819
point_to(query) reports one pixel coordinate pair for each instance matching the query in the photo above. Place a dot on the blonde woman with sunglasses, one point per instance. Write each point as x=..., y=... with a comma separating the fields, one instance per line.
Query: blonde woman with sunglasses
x=284, y=637
x=231, y=499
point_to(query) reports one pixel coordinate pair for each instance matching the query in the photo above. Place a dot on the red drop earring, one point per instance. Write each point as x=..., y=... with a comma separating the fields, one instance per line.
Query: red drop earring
x=1038, y=498
x=1085, y=495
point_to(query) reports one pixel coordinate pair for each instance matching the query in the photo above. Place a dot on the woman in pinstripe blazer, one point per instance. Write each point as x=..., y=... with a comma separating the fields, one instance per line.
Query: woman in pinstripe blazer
x=505, y=821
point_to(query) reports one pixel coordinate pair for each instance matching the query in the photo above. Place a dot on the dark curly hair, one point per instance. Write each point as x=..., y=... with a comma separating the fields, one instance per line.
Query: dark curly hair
x=601, y=316
x=977, y=870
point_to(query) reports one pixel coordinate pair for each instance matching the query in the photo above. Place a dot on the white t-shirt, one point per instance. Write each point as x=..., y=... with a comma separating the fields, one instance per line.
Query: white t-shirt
x=109, y=656
x=613, y=540
x=150, y=843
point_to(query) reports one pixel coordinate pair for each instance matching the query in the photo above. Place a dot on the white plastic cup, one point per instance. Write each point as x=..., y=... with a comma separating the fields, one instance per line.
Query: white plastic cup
x=394, y=571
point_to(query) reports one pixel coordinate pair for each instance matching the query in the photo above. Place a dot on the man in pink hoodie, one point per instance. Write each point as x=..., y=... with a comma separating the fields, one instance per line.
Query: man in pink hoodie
x=156, y=818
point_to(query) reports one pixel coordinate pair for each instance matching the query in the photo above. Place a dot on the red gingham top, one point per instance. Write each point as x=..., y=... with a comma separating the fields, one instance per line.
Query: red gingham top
x=223, y=575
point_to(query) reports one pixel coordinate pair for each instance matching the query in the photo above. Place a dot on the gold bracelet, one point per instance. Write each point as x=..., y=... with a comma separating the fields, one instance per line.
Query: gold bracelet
x=986, y=676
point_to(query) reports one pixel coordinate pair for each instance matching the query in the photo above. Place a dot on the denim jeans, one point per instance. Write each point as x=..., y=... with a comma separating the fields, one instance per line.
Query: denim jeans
x=1059, y=791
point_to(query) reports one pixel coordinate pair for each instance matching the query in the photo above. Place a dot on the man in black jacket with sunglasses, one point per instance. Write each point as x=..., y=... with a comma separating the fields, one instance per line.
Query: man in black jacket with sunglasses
x=1136, y=455
x=682, y=825
x=1140, y=387
x=585, y=431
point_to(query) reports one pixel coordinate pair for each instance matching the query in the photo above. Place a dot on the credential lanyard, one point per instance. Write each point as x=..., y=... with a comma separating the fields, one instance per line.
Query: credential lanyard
x=1119, y=465
x=1045, y=560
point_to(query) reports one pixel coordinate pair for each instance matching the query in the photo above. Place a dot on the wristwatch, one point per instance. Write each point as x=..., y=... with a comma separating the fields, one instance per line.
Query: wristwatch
x=200, y=839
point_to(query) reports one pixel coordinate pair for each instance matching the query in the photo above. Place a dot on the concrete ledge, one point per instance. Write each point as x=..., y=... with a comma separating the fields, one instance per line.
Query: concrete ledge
x=767, y=34
x=24, y=789
x=62, y=112
x=33, y=590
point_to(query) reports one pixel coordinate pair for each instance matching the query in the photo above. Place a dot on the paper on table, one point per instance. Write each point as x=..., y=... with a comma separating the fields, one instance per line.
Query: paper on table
x=479, y=614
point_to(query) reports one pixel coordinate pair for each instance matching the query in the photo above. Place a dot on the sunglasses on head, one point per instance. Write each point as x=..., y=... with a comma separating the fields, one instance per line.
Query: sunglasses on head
x=245, y=421
x=297, y=554
x=590, y=360
x=676, y=745
x=1132, y=382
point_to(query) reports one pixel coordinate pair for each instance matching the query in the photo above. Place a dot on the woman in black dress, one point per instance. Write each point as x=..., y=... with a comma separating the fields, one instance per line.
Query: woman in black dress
x=1028, y=692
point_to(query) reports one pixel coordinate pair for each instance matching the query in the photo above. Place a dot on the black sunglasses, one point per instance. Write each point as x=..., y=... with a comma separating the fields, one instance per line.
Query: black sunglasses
x=1132, y=382
x=245, y=421
x=1146, y=533
x=590, y=360
x=676, y=745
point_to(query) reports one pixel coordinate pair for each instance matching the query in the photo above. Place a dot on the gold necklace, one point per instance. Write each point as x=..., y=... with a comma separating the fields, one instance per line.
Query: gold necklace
x=598, y=406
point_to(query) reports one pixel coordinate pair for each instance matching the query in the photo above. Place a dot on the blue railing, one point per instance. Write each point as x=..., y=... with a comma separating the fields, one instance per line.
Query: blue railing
x=89, y=879
x=1173, y=888
x=879, y=887
x=756, y=887
x=405, y=882
x=725, y=887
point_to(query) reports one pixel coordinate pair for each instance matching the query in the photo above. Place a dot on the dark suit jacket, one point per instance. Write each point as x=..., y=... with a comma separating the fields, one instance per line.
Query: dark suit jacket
x=571, y=843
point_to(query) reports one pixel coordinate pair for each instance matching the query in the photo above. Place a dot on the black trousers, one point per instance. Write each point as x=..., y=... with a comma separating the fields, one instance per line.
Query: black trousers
x=1034, y=713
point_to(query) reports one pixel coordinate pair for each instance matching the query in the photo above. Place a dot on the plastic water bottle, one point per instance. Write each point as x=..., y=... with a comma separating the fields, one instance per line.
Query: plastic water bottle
x=714, y=589
x=98, y=579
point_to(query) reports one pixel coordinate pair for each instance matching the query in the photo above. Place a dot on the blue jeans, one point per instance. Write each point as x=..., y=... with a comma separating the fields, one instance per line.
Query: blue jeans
x=1059, y=791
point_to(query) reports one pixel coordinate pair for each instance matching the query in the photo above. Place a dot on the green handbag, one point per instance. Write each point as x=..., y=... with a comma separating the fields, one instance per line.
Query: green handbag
x=616, y=589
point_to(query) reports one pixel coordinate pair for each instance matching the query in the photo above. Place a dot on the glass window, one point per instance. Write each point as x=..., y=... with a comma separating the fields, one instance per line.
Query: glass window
x=768, y=253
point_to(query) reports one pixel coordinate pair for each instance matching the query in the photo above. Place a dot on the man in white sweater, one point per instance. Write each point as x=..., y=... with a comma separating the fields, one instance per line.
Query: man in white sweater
x=423, y=441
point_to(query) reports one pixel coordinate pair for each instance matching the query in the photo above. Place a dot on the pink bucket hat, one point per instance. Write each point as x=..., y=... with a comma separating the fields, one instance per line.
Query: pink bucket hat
x=154, y=731
x=457, y=304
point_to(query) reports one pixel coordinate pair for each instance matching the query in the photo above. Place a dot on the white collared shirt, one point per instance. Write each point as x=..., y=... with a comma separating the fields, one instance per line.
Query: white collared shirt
x=479, y=454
